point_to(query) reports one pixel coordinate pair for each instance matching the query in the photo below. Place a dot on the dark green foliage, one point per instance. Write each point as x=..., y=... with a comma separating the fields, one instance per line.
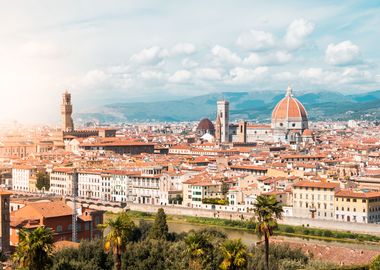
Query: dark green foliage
x=89, y=256
x=152, y=254
x=43, y=181
x=160, y=228
x=289, y=229
x=279, y=257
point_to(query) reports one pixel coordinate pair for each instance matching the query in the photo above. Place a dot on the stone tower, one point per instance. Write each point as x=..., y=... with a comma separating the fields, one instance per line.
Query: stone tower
x=4, y=220
x=66, y=111
x=217, y=128
x=223, y=114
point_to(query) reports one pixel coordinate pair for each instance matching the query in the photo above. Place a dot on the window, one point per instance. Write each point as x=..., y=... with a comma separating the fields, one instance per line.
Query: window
x=69, y=228
x=294, y=124
x=87, y=226
x=59, y=228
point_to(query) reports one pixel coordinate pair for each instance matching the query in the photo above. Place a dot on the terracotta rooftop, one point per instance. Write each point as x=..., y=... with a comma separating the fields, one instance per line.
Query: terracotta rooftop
x=316, y=184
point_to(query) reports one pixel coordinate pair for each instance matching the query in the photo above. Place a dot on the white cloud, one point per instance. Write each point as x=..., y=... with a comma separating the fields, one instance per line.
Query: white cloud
x=354, y=75
x=241, y=75
x=225, y=55
x=336, y=76
x=283, y=57
x=188, y=63
x=94, y=78
x=252, y=59
x=208, y=74
x=284, y=76
x=180, y=76
x=296, y=33
x=152, y=55
x=279, y=57
x=255, y=40
x=343, y=53
x=152, y=75
x=311, y=73
x=183, y=48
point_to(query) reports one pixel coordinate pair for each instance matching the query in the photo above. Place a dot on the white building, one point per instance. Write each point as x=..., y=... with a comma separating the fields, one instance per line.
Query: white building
x=61, y=181
x=90, y=184
x=21, y=176
x=121, y=186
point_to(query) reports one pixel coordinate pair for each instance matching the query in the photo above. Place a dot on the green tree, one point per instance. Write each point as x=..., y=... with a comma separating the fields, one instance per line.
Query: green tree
x=120, y=231
x=375, y=265
x=89, y=256
x=34, y=249
x=235, y=255
x=267, y=210
x=160, y=228
x=43, y=181
x=197, y=246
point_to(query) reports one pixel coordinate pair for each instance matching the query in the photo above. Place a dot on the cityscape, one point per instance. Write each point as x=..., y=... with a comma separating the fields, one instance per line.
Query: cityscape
x=249, y=156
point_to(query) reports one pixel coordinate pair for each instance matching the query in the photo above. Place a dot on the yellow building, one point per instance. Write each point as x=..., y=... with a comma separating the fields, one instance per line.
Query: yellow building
x=314, y=199
x=357, y=206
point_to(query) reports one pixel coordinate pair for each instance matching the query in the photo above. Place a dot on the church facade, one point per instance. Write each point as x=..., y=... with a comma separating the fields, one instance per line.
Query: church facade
x=289, y=124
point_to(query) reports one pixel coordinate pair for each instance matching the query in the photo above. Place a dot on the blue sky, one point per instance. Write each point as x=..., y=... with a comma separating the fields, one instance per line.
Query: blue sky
x=116, y=51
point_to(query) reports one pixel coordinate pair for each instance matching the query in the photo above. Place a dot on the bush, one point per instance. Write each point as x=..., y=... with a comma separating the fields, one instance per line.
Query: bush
x=289, y=229
x=328, y=233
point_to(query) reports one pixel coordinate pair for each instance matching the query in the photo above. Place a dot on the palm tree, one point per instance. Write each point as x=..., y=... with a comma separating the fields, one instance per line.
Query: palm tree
x=235, y=255
x=267, y=210
x=197, y=246
x=119, y=232
x=34, y=249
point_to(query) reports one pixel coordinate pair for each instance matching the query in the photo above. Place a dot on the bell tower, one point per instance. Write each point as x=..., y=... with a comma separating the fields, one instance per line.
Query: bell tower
x=66, y=111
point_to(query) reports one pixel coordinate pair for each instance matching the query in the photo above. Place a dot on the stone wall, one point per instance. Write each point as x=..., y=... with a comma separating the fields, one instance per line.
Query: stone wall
x=322, y=224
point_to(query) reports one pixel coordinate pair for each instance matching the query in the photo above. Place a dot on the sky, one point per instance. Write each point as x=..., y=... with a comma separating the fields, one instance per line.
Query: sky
x=124, y=51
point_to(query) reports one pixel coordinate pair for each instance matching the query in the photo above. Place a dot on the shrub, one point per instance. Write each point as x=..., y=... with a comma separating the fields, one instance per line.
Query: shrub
x=289, y=229
x=328, y=233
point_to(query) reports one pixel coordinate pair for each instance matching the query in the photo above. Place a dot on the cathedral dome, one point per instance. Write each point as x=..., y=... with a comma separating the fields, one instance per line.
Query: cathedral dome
x=289, y=113
x=206, y=125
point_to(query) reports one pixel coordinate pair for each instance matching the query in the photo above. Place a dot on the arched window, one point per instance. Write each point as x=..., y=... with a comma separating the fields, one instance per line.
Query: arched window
x=59, y=228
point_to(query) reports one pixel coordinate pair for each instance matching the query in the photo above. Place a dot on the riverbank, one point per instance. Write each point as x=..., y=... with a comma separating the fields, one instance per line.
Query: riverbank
x=338, y=251
x=176, y=210
x=282, y=230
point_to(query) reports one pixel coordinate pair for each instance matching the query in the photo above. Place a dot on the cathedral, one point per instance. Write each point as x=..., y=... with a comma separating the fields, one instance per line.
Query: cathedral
x=289, y=124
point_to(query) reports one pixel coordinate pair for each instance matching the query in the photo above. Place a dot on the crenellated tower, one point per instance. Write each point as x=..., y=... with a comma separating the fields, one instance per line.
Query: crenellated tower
x=66, y=112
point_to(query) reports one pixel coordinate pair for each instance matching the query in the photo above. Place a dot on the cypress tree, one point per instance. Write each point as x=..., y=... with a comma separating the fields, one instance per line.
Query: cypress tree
x=160, y=228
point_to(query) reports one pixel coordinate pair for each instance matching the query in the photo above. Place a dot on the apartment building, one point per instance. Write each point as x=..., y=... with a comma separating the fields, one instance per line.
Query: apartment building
x=357, y=206
x=90, y=184
x=61, y=181
x=314, y=200
x=21, y=177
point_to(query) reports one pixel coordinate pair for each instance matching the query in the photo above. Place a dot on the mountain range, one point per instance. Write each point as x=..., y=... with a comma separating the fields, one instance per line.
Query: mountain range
x=254, y=106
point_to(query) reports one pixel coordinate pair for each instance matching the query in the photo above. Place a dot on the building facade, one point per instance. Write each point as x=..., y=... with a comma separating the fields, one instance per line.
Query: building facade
x=314, y=200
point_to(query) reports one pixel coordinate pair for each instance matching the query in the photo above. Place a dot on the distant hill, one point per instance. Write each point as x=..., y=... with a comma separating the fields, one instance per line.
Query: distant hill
x=255, y=106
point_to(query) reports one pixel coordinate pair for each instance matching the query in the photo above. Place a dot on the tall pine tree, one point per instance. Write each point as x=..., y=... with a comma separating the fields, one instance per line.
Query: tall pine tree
x=160, y=228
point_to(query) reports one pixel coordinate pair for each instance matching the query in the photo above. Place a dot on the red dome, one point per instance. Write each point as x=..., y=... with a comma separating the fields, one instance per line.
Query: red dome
x=205, y=124
x=289, y=108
